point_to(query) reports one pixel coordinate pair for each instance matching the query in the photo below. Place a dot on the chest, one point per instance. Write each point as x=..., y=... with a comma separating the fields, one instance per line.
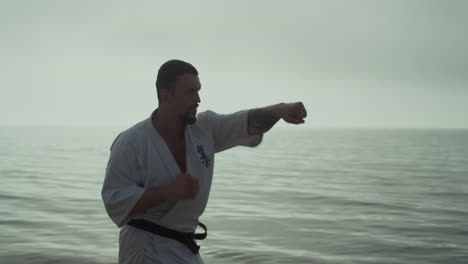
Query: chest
x=178, y=151
x=162, y=160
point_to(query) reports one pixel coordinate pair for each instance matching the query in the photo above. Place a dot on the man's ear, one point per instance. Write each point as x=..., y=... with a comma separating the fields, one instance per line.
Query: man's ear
x=164, y=94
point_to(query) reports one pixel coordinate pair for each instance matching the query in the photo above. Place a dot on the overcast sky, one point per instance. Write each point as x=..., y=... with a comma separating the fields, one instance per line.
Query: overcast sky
x=352, y=63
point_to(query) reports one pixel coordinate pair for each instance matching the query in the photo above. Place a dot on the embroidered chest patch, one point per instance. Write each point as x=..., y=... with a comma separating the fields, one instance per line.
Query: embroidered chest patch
x=205, y=160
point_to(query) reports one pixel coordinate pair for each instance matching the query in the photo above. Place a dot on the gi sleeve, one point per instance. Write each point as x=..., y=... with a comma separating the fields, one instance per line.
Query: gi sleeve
x=231, y=130
x=120, y=191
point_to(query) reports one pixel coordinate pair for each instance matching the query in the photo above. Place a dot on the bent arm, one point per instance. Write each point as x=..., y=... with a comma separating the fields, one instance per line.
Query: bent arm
x=124, y=195
x=260, y=120
x=151, y=198
x=183, y=187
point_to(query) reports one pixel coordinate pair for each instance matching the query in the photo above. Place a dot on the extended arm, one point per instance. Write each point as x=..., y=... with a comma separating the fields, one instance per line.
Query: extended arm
x=260, y=120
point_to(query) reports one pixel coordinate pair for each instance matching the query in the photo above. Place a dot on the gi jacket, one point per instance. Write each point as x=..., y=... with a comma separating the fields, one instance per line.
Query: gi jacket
x=141, y=159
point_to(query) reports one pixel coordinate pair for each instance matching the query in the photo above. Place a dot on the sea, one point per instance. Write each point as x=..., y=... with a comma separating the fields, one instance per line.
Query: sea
x=305, y=195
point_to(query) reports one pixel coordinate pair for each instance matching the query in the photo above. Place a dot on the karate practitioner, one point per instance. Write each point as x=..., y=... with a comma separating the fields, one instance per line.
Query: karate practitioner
x=159, y=173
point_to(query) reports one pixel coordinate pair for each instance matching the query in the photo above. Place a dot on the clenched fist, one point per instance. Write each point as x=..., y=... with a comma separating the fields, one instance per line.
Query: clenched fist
x=184, y=187
x=293, y=113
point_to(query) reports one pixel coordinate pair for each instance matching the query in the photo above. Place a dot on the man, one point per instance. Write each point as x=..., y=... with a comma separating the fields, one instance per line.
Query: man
x=159, y=173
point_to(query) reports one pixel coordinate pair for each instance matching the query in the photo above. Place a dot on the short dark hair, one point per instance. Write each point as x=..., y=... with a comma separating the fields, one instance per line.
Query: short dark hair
x=168, y=73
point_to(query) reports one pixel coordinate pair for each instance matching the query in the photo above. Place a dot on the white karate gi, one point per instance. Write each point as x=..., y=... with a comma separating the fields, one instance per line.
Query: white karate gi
x=141, y=159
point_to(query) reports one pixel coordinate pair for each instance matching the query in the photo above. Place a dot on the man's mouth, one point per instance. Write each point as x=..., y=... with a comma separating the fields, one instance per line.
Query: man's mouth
x=193, y=110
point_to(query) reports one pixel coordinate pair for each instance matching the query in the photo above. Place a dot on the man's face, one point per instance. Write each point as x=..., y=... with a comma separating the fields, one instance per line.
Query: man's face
x=185, y=98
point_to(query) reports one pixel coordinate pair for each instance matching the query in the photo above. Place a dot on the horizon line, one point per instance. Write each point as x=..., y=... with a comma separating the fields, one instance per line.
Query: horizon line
x=278, y=126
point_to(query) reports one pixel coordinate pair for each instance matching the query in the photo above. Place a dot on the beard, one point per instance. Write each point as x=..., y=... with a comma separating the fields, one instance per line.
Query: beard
x=188, y=118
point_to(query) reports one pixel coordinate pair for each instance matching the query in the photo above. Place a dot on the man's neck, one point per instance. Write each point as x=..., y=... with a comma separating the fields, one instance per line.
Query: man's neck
x=168, y=126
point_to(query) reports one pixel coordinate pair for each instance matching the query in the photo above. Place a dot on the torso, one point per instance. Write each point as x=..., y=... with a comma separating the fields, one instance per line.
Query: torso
x=178, y=152
x=177, y=147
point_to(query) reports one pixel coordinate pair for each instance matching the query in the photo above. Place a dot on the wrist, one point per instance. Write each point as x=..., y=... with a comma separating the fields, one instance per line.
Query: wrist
x=278, y=110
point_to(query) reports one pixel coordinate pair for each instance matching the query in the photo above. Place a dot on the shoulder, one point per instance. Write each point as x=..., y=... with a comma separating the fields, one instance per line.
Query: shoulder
x=203, y=127
x=212, y=119
x=131, y=137
x=209, y=117
x=208, y=120
x=206, y=117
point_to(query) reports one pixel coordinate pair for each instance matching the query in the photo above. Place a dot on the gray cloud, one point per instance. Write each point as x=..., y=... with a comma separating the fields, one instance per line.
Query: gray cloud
x=354, y=63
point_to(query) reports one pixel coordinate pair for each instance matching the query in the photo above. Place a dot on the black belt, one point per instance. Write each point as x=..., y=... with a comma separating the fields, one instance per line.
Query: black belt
x=184, y=238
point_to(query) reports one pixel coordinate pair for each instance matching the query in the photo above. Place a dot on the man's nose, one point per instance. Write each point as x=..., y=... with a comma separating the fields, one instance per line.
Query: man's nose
x=198, y=98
